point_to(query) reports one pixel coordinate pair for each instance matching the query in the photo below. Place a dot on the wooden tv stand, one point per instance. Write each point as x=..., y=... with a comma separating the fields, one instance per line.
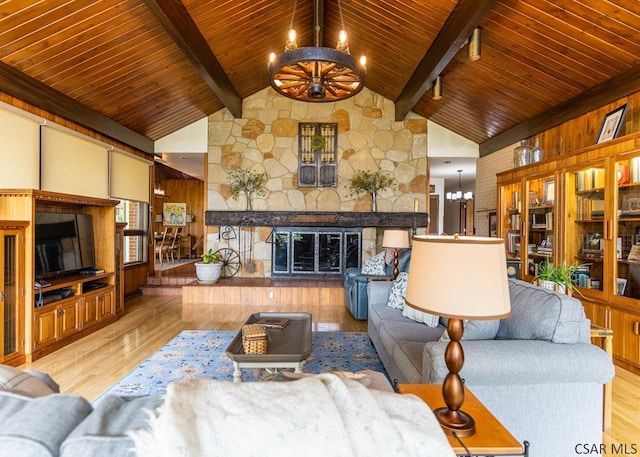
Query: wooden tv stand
x=67, y=318
x=72, y=309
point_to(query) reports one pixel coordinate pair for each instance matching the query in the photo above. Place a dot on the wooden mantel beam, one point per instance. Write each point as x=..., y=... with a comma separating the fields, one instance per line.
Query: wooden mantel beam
x=315, y=219
x=177, y=22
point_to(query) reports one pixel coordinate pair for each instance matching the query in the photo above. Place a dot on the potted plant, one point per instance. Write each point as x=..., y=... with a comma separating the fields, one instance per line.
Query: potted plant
x=249, y=182
x=208, y=271
x=371, y=182
x=557, y=277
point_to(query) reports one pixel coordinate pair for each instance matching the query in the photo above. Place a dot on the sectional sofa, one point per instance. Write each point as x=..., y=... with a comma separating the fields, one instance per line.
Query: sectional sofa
x=536, y=370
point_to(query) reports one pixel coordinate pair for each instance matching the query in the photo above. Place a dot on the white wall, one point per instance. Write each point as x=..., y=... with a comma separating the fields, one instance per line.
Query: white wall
x=190, y=139
x=444, y=143
x=486, y=196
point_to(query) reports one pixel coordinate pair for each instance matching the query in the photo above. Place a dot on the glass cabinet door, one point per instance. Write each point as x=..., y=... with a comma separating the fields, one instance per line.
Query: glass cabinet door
x=627, y=226
x=586, y=226
x=10, y=297
x=510, y=218
x=540, y=223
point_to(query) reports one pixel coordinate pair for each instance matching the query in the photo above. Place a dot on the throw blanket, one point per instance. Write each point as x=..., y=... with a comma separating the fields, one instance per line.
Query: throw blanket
x=324, y=415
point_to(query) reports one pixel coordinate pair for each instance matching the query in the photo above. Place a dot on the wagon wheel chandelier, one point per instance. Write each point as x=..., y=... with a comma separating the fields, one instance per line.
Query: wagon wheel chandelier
x=316, y=74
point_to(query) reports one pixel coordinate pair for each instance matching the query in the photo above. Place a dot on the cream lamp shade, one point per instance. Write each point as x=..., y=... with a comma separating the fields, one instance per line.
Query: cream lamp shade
x=398, y=239
x=459, y=276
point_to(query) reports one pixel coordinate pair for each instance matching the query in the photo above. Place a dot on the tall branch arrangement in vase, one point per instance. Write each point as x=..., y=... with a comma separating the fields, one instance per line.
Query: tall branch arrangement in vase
x=248, y=182
x=371, y=182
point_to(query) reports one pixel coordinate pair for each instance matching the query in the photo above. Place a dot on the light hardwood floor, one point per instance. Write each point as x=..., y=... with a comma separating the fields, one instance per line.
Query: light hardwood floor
x=91, y=365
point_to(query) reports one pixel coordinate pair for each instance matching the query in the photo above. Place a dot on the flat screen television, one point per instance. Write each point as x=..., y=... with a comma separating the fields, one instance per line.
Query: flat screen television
x=63, y=243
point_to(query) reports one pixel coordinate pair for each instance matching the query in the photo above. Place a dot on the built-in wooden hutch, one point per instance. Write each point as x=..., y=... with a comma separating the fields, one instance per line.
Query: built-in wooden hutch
x=76, y=304
x=583, y=207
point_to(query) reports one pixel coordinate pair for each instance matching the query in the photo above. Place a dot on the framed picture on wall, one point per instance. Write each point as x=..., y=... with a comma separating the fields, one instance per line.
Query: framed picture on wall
x=174, y=214
x=611, y=124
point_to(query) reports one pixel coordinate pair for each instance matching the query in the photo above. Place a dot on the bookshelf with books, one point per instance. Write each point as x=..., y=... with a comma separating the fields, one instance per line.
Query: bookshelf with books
x=510, y=218
x=596, y=220
x=585, y=231
x=527, y=202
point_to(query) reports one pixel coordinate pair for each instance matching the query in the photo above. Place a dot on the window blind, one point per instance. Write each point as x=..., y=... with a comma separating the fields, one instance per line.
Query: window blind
x=129, y=177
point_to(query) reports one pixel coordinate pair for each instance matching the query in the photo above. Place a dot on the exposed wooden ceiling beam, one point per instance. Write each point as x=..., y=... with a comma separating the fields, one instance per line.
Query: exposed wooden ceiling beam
x=175, y=19
x=27, y=89
x=618, y=87
x=456, y=30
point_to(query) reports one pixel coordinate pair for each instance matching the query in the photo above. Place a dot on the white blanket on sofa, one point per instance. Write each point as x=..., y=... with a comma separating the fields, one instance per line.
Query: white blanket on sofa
x=323, y=415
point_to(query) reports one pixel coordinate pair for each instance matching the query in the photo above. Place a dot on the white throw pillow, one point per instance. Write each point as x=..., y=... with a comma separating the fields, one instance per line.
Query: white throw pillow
x=420, y=316
x=21, y=382
x=398, y=291
x=375, y=265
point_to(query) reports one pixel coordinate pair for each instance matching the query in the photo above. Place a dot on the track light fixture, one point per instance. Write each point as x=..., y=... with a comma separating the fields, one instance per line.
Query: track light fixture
x=475, y=45
x=437, y=88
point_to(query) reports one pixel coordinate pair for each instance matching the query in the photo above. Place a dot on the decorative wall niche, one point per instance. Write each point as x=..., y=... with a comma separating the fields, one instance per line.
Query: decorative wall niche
x=317, y=154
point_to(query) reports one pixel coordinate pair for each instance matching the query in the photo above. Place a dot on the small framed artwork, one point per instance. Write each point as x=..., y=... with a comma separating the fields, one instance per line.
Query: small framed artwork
x=634, y=253
x=549, y=191
x=622, y=285
x=174, y=214
x=611, y=124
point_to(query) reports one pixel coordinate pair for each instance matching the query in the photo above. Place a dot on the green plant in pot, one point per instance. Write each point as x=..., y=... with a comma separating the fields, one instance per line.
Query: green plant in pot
x=557, y=277
x=371, y=182
x=208, y=271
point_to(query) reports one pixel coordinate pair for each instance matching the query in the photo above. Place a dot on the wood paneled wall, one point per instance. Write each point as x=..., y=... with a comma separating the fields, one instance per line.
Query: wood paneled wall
x=190, y=192
x=582, y=131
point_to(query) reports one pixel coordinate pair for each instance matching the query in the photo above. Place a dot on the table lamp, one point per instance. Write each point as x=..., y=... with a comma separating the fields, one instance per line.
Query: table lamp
x=395, y=239
x=459, y=277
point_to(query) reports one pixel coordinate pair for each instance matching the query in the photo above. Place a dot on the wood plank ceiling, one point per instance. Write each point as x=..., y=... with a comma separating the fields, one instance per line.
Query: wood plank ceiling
x=138, y=70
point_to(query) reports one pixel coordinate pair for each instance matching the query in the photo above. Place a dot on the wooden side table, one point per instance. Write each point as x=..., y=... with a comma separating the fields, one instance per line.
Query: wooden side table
x=491, y=437
x=606, y=343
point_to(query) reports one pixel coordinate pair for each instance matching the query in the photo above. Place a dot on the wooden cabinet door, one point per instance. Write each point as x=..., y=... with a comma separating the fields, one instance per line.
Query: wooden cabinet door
x=597, y=313
x=626, y=338
x=68, y=318
x=106, y=305
x=91, y=313
x=46, y=327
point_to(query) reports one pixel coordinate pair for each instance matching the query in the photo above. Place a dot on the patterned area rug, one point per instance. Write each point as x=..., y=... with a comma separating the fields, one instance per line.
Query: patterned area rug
x=201, y=354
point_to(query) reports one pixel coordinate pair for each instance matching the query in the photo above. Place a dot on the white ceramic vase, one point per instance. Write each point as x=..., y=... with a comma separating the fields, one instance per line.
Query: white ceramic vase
x=551, y=286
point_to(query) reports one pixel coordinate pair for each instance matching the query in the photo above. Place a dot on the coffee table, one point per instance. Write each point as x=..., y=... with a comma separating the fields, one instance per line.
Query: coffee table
x=286, y=348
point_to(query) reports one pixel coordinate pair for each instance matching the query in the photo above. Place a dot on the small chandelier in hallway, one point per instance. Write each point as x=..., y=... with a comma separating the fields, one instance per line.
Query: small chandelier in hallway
x=459, y=196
